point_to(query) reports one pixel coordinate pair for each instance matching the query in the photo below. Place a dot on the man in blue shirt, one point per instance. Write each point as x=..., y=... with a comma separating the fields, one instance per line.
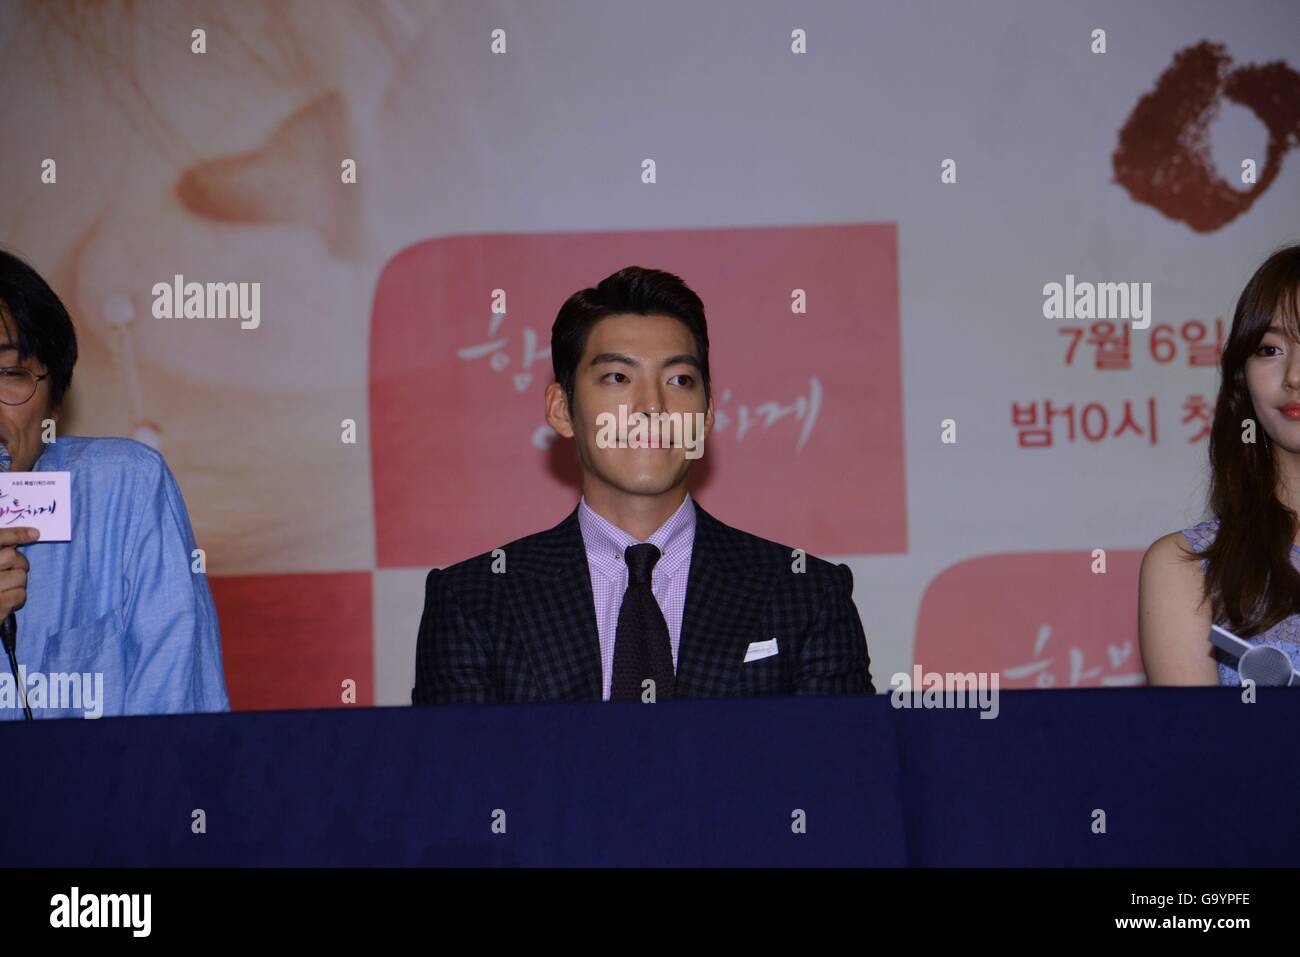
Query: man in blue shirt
x=115, y=621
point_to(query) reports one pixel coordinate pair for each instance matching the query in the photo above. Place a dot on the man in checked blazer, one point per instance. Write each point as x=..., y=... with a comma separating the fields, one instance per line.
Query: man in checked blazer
x=639, y=593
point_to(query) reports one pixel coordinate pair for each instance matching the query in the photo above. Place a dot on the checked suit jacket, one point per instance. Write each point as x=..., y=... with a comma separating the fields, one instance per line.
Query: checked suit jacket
x=529, y=633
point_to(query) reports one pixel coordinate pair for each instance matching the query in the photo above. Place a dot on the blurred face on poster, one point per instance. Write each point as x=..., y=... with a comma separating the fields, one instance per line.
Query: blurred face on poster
x=224, y=160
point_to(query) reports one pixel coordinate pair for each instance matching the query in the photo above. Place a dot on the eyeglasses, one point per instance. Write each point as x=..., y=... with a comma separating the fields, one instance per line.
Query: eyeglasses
x=17, y=384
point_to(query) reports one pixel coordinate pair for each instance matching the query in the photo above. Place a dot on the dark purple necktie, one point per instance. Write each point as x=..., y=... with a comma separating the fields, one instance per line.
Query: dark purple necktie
x=641, y=645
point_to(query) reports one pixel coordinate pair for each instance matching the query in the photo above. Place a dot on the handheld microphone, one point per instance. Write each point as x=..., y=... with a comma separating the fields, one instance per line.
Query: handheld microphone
x=9, y=627
x=1265, y=665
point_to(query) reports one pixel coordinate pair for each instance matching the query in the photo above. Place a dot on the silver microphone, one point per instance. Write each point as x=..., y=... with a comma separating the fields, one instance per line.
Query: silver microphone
x=1265, y=665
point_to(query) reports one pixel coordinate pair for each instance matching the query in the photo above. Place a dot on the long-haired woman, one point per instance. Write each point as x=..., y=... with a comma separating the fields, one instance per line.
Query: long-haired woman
x=1241, y=568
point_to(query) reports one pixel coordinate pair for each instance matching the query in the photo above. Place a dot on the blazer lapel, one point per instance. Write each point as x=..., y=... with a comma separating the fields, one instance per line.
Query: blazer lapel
x=722, y=612
x=555, y=612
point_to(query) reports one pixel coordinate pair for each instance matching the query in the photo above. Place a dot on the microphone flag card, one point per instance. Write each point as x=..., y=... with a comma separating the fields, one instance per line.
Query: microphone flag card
x=41, y=500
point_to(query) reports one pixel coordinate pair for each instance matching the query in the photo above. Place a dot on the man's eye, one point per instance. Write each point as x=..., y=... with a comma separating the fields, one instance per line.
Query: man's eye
x=608, y=374
x=688, y=380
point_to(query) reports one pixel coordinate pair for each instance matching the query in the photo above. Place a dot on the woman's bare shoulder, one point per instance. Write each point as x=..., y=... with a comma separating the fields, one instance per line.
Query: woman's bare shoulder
x=1170, y=572
x=1174, y=547
x=1173, y=616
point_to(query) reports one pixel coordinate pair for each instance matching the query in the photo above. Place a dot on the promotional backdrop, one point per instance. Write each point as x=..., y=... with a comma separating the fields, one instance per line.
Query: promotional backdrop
x=871, y=199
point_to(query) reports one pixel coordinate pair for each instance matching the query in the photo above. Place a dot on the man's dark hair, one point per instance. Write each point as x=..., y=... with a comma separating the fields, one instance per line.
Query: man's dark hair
x=634, y=290
x=40, y=324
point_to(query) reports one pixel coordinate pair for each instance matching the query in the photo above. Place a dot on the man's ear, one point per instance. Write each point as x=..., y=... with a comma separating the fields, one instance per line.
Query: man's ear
x=557, y=410
x=708, y=419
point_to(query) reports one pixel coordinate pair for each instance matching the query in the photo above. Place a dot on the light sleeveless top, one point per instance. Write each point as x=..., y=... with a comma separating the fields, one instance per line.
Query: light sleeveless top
x=1284, y=635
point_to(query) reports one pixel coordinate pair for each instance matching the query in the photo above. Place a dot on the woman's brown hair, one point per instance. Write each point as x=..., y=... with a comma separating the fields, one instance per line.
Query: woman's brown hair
x=1249, y=579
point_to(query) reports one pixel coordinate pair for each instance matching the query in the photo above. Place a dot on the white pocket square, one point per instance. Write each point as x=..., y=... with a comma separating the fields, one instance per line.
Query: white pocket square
x=761, y=649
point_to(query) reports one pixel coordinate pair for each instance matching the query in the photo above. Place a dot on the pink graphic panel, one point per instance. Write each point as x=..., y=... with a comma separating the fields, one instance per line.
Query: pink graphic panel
x=808, y=446
x=289, y=641
x=1040, y=619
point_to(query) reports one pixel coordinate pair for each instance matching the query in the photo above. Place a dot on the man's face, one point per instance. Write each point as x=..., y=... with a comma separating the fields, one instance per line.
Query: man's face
x=20, y=425
x=1273, y=379
x=648, y=364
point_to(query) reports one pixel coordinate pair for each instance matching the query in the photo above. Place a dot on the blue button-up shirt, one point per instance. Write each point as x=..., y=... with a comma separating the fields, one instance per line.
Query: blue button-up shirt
x=119, y=608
